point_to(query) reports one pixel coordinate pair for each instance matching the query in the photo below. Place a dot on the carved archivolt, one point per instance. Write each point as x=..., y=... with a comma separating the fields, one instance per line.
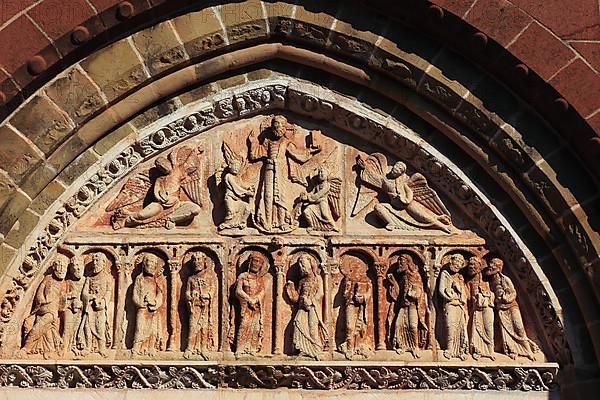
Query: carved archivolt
x=270, y=238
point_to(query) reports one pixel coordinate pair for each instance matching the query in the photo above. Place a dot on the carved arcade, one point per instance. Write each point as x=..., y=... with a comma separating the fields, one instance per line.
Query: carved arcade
x=271, y=240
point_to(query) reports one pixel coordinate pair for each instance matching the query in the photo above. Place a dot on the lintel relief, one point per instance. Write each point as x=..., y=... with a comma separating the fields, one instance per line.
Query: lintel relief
x=276, y=227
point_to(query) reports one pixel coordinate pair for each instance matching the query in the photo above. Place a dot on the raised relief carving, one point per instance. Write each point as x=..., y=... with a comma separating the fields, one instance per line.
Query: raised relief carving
x=357, y=291
x=201, y=296
x=409, y=201
x=281, y=159
x=309, y=332
x=94, y=334
x=179, y=174
x=512, y=331
x=454, y=294
x=250, y=294
x=42, y=326
x=406, y=316
x=320, y=207
x=74, y=306
x=150, y=299
x=238, y=194
x=481, y=311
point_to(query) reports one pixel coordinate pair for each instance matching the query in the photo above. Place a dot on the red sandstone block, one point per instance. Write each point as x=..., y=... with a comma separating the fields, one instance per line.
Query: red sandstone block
x=457, y=7
x=102, y=5
x=57, y=18
x=580, y=86
x=10, y=8
x=541, y=51
x=590, y=51
x=498, y=19
x=20, y=41
x=573, y=19
x=594, y=122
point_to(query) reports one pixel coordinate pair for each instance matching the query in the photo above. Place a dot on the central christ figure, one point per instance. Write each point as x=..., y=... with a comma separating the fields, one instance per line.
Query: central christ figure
x=282, y=159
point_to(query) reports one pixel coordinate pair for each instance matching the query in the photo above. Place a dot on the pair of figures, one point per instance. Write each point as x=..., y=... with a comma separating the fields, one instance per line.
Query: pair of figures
x=269, y=204
x=81, y=302
x=469, y=311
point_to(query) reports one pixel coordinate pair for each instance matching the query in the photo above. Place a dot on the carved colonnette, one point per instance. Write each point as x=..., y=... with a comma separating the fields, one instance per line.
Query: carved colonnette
x=271, y=239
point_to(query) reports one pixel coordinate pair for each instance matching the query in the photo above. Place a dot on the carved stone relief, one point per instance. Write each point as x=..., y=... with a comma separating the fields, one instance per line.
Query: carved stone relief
x=277, y=238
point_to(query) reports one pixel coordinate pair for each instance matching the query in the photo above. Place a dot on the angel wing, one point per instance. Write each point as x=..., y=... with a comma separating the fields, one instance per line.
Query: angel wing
x=333, y=197
x=135, y=189
x=427, y=196
x=371, y=175
x=189, y=159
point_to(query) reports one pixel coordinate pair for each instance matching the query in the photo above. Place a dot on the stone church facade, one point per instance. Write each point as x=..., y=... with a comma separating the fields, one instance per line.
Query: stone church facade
x=297, y=199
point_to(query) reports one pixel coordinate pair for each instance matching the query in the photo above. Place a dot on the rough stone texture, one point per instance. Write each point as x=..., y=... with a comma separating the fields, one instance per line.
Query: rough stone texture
x=76, y=95
x=7, y=186
x=77, y=167
x=17, y=156
x=500, y=19
x=243, y=21
x=200, y=31
x=107, y=142
x=14, y=208
x=25, y=224
x=159, y=47
x=44, y=123
x=115, y=78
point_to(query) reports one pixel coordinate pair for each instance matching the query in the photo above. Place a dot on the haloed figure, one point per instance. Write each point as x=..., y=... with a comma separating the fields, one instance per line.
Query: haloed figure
x=200, y=294
x=43, y=324
x=149, y=297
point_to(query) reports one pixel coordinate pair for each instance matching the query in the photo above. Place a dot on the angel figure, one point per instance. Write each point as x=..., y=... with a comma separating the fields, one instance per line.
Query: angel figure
x=320, y=207
x=180, y=170
x=409, y=199
x=238, y=194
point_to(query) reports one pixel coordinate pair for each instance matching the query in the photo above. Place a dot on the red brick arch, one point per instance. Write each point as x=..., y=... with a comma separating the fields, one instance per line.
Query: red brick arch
x=546, y=51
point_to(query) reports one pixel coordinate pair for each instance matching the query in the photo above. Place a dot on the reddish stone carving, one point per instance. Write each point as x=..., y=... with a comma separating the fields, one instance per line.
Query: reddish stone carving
x=94, y=333
x=281, y=158
x=250, y=292
x=512, y=331
x=179, y=172
x=42, y=326
x=481, y=311
x=201, y=295
x=73, y=306
x=409, y=199
x=406, y=317
x=310, y=334
x=454, y=295
x=150, y=299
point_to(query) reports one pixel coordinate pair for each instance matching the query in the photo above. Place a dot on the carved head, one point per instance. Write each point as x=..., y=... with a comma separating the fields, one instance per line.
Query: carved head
x=98, y=262
x=278, y=126
x=475, y=266
x=76, y=268
x=398, y=169
x=457, y=262
x=307, y=265
x=164, y=165
x=199, y=261
x=406, y=263
x=495, y=267
x=235, y=166
x=256, y=262
x=322, y=174
x=59, y=268
x=150, y=264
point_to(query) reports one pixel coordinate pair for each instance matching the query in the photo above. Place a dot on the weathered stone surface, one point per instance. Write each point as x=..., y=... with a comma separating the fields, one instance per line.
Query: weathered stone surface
x=159, y=47
x=14, y=208
x=44, y=200
x=200, y=31
x=243, y=21
x=78, y=167
x=7, y=187
x=115, y=78
x=76, y=94
x=107, y=142
x=44, y=123
x=22, y=228
x=17, y=156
